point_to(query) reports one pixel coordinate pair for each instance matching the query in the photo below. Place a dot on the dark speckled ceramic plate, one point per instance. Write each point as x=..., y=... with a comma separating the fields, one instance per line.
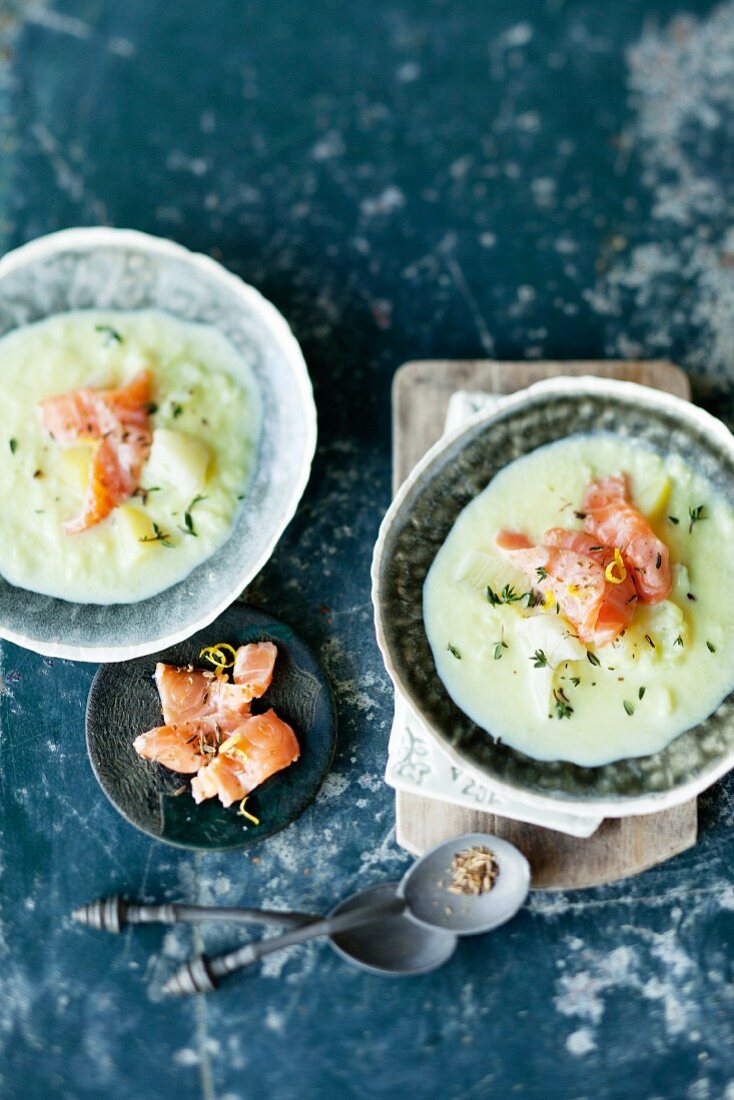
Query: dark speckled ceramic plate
x=419, y=520
x=123, y=701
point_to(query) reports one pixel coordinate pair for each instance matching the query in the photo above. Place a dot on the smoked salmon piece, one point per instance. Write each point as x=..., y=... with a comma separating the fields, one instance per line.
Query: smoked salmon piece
x=222, y=779
x=263, y=745
x=119, y=420
x=253, y=667
x=569, y=579
x=192, y=693
x=612, y=518
x=184, y=693
x=619, y=600
x=179, y=747
x=209, y=729
x=109, y=485
x=230, y=700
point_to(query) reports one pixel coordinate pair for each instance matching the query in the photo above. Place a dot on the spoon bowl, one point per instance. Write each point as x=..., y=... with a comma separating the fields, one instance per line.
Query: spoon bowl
x=429, y=901
x=394, y=945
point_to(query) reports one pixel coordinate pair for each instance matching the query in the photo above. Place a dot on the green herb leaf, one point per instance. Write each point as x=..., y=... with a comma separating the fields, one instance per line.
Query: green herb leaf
x=678, y=641
x=111, y=334
x=563, y=708
x=658, y=561
x=649, y=641
x=189, y=529
x=541, y=573
x=628, y=707
x=151, y=408
x=453, y=651
x=641, y=693
x=143, y=493
x=176, y=410
x=539, y=659
x=695, y=515
x=575, y=680
x=592, y=659
x=498, y=650
x=674, y=519
x=13, y=444
x=158, y=536
x=507, y=595
x=711, y=647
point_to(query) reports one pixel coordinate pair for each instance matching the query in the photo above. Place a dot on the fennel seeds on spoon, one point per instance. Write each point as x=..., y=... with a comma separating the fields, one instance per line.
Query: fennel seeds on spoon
x=473, y=871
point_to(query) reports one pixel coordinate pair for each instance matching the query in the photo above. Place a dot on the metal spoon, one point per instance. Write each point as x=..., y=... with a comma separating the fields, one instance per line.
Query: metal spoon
x=421, y=899
x=393, y=945
x=202, y=974
x=112, y=914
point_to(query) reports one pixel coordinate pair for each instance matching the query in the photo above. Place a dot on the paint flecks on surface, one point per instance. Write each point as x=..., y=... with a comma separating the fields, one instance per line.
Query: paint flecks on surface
x=386, y=202
x=677, y=275
x=580, y=1042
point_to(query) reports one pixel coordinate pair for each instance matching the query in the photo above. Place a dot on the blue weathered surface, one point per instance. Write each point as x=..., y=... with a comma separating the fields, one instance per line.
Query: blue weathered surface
x=404, y=178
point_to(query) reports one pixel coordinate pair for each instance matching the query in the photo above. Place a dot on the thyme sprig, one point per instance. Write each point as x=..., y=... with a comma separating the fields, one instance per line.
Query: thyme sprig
x=563, y=708
x=695, y=515
x=507, y=595
x=158, y=536
x=112, y=336
x=188, y=520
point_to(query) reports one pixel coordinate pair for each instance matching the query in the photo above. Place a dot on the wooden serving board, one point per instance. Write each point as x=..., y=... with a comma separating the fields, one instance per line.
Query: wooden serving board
x=621, y=846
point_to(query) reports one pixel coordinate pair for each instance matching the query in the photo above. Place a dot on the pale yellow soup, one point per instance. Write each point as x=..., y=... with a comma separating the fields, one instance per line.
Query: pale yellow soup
x=205, y=422
x=668, y=671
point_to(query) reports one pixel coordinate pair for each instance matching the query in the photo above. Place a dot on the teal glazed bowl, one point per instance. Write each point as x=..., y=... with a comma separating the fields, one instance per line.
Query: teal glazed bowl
x=450, y=475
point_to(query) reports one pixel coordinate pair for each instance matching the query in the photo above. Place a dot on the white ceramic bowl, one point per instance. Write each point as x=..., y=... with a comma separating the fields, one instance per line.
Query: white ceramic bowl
x=450, y=475
x=102, y=268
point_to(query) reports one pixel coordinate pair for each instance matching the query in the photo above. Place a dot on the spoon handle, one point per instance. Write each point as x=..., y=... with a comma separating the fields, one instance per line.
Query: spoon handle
x=112, y=914
x=203, y=974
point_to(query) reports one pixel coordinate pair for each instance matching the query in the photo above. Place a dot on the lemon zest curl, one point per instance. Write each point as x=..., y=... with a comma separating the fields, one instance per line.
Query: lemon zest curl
x=215, y=655
x=621, y=575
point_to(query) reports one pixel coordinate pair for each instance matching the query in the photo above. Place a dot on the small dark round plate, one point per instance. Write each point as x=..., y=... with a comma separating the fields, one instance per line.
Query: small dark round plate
x=396, y=946
x=123, y=702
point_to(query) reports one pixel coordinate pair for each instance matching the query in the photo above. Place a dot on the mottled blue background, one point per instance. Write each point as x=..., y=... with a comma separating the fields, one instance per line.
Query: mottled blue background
x=404, y=178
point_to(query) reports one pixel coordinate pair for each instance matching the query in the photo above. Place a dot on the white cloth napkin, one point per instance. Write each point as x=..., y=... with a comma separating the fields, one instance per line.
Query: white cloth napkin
x=415, y=761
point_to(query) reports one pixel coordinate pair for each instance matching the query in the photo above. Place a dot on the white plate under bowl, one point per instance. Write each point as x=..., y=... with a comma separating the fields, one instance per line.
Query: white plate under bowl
x=102, y=268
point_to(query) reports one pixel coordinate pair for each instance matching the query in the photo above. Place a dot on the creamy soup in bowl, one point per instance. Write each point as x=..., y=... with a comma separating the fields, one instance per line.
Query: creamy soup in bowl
x=195, y=413
x=590, y=644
